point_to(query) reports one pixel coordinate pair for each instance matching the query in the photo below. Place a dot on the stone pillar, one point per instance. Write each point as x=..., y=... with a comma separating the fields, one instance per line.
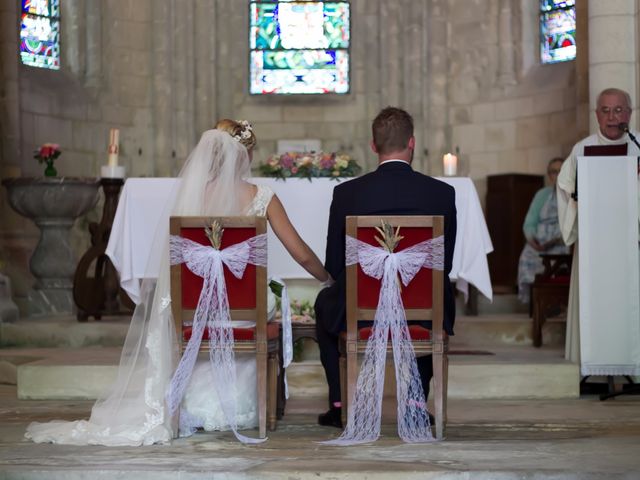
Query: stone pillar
x=72, y=35
x=93, y=60
x=583, y=115
x=10, y=115
x=162, y=91
x=438, y=85
x=183, y=83
x=415, y=65
x=613, y=50
x=506, y=73
x=205, y=71
x=391, y=53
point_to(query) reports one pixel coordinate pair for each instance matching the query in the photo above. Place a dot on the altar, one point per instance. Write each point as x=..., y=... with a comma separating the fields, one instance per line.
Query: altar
x=142, y=207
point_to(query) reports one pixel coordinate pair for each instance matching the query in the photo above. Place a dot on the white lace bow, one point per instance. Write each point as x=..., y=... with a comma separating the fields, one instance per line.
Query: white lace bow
x=363, y=424
x=212, y=312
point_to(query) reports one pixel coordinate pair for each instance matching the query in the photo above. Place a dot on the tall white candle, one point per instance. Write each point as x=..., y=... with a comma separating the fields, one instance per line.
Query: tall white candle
x=114, y=140
x=450, y=163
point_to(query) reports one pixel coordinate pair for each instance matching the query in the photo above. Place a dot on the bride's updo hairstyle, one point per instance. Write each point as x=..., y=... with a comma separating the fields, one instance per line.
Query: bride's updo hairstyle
x=241, y=130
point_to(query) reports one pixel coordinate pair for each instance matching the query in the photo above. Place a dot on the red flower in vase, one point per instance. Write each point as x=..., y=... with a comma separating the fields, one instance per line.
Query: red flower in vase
x=47, y=152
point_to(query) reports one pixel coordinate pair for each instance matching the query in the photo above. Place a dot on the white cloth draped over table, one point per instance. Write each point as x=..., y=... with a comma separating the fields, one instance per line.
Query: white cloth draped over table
x=473, y=242
x=568, y=218
x=307, y=204
x=363, y=424
x=141, y=209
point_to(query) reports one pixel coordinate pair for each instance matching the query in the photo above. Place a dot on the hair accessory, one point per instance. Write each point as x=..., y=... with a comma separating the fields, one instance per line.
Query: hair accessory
x=245, y=132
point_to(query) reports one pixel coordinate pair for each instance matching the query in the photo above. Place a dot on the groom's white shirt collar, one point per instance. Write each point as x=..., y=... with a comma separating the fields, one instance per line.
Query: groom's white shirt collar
x=393, y=160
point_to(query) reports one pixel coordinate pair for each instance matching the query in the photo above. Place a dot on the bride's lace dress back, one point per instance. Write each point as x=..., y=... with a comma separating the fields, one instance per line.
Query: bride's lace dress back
x=258, y=206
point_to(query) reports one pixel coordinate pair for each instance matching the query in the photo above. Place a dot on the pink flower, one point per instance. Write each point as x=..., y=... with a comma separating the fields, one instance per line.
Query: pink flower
x=47, y=152
x=287, y=160
x=294, y=170
x=327, y=161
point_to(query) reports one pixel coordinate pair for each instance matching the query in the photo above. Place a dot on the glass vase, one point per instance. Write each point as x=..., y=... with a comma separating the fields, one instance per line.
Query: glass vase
x=50, y=171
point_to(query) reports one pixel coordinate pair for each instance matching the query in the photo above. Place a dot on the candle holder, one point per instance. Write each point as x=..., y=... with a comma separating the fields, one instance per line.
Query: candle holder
x=109, y=171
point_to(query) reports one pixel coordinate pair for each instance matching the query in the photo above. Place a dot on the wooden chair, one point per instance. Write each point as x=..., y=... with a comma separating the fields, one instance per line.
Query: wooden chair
x=550, y=289
x=247, y=301
x=423, y=299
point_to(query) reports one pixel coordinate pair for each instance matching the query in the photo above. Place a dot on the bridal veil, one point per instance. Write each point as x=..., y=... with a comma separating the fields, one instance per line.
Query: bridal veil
x=133, y=411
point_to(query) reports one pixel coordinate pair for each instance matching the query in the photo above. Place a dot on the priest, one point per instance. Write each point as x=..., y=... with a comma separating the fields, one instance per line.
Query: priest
x=613, y=112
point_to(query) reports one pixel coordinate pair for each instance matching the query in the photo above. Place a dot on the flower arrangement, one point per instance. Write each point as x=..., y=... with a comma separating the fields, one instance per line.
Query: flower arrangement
x=47, y=153
x=309, y=165
x=302, y=312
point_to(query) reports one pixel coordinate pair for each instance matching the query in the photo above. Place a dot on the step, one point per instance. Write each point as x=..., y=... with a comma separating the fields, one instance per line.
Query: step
x=506, y=330
x=504, y=372
x=502, y=303
x=486, y=329
x=64, y=331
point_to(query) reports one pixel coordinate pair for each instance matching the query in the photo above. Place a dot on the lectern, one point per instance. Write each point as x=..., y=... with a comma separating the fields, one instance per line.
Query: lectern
x=609, y=265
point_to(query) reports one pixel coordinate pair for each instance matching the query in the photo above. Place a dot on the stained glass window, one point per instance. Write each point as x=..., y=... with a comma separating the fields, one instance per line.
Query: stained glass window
x=557, y=30
x=299, y=47
x=40, y=33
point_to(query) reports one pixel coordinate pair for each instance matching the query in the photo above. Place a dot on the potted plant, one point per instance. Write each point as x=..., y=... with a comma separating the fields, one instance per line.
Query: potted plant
x=47, y=153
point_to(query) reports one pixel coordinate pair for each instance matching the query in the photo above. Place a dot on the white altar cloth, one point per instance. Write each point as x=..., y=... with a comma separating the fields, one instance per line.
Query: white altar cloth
x=142, y=203
x=473, y=242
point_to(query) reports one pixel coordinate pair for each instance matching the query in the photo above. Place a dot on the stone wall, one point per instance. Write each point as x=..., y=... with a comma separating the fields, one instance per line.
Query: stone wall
x=164, y=70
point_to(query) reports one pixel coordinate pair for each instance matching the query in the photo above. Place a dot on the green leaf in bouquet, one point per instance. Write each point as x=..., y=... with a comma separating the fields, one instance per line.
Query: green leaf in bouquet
x=276, y=288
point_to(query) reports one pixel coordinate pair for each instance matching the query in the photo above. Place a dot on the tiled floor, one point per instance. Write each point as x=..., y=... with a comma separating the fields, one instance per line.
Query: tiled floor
x=486, y=439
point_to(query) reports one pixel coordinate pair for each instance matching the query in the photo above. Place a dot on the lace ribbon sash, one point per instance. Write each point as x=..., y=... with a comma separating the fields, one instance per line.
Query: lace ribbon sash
x=212, y=312
x=363, y=424
x=287, y=332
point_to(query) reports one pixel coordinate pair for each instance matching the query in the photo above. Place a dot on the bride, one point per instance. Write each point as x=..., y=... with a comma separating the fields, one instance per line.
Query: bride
x=134, y=412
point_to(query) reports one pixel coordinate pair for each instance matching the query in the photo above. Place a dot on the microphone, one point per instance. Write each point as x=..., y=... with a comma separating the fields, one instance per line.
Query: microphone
x=624, y=127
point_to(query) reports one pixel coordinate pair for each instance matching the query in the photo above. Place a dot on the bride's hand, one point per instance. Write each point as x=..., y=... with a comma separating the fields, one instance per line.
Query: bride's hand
x=328, y=282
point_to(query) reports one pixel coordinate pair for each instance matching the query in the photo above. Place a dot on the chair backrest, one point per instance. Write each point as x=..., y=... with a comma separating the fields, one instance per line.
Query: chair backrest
x=247, y=295
x=422, y=298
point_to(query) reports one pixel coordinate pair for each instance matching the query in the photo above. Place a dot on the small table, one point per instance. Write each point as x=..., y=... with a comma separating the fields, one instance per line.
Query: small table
x=95, y=284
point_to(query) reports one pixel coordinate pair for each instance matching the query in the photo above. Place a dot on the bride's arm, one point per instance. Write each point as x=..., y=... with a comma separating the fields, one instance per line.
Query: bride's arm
x=294, y=244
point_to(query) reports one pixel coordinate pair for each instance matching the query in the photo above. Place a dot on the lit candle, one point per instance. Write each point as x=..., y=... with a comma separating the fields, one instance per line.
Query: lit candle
x=114, y=140
x=450, y=163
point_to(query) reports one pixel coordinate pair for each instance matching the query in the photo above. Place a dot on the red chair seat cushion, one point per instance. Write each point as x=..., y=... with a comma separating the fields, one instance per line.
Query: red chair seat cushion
x=239, y=334
x=416, y=332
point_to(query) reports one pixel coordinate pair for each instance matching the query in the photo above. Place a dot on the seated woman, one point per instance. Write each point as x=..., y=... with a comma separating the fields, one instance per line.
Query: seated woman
x=134, y=411
x=541, y=231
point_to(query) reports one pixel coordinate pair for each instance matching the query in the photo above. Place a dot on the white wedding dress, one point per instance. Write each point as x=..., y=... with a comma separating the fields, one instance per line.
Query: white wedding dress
x=134, y=412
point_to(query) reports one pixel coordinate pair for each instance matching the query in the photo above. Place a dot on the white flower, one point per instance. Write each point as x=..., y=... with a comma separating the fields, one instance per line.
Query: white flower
x=246, y=131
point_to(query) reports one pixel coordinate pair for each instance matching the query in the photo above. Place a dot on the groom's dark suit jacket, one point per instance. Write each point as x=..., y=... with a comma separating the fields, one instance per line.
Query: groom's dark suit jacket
x=393, y=189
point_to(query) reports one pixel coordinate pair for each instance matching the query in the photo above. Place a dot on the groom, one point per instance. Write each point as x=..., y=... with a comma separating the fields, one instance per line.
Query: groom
x=393, y=189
